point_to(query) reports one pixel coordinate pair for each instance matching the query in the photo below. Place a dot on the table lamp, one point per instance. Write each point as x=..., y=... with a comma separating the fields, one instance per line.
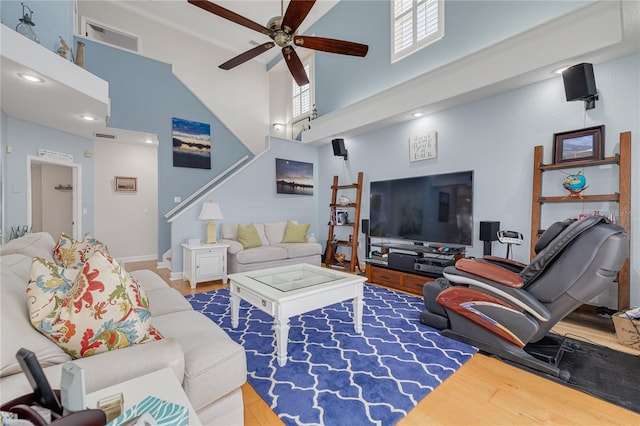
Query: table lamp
x=210, y=211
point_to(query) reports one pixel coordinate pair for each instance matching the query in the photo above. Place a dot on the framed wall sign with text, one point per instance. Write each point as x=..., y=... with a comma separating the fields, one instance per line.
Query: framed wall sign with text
x=423, y=147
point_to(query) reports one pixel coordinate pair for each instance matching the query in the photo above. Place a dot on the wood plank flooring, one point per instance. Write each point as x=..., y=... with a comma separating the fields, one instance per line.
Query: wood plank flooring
x=484, y=391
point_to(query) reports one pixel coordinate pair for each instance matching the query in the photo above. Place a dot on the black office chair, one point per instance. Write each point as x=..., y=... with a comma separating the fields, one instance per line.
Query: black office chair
x=507, y=309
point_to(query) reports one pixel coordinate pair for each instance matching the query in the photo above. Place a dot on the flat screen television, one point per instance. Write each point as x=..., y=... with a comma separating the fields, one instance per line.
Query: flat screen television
x=433, y=208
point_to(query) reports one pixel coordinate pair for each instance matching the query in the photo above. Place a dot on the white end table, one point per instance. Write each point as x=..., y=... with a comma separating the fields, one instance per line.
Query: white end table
x=162, y=384
x=204, y=262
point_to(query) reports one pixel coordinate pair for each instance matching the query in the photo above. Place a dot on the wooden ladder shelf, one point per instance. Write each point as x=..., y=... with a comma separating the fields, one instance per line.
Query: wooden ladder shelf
x=335, y=242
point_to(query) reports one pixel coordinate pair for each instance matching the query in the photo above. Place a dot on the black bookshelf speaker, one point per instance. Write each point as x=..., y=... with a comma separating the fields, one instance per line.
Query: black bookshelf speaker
x=367, y=241
x=339, y=149
x=489, y=231
x=579, y=82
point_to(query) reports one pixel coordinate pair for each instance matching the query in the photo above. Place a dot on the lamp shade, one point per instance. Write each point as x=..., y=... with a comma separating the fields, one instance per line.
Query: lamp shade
x=210, y=211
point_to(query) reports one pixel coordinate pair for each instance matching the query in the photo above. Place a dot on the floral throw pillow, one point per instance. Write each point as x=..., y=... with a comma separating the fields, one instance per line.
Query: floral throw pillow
x=47, y=288
x=71, y=253
x=104, y=309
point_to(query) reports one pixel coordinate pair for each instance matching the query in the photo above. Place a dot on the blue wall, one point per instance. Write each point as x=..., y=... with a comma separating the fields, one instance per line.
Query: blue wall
x=250, y=196
x=469, y=26
x=495, y=137
x=53, y=19
x=145, y=96
x=26, y=138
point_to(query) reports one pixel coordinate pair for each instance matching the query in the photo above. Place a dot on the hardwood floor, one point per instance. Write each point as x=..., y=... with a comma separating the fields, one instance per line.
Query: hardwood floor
x=484, y=391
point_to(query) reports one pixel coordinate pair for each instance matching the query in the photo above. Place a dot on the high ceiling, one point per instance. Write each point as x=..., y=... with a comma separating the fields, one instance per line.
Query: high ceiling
x=202, y=24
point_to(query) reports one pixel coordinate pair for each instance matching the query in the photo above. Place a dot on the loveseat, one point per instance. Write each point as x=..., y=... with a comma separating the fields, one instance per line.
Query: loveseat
x=272, y=248
x=210, y=366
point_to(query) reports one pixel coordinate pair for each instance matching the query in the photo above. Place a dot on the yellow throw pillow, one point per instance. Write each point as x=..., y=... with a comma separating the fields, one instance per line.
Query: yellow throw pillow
x=103, y=309
x=248, y=236
x=295, y=233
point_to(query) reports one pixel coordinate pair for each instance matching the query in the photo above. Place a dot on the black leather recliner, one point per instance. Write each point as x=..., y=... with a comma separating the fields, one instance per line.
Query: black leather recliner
x=507, y=309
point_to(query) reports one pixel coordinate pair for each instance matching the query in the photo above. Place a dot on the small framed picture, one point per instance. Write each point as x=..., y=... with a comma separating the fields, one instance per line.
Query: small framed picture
x=125, y=184
x=342, y=216
x=579, y=145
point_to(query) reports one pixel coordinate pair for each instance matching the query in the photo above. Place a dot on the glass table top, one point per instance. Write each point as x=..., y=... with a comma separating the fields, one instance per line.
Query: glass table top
x=294, y=279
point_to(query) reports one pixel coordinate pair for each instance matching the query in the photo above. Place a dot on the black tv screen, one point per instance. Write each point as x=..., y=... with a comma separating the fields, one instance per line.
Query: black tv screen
x=434, y=208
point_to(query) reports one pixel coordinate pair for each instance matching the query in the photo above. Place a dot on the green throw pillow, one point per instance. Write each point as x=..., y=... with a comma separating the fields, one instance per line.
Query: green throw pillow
x=248, y=236
x=295, y=233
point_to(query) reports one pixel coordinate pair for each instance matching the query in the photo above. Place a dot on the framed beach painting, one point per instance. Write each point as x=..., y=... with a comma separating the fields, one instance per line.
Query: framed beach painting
x=191, y=144
x=294, y=177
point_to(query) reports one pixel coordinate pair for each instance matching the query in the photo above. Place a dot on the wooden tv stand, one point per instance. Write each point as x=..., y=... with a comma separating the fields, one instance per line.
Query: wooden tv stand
x=396, y=279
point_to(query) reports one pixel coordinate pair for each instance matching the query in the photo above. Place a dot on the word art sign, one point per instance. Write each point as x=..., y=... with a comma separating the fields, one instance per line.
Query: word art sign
x=423, y=147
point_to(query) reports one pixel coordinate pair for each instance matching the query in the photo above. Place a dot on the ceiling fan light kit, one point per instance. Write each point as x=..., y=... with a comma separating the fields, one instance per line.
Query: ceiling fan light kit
x=282, y=30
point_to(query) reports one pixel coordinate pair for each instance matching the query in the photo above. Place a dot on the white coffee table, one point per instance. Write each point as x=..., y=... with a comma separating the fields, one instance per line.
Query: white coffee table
x=286, y=291
x=162, y=384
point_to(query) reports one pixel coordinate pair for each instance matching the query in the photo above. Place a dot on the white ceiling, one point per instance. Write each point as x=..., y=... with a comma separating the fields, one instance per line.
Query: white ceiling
x=199, y=23
x=69, y=90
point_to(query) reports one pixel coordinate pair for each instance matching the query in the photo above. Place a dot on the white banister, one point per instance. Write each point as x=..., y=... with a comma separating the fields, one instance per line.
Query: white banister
x=169, y=215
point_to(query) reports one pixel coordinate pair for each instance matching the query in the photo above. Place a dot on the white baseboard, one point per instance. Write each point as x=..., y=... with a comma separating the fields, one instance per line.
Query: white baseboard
x=175, y=276
x=138, y=258
x=163, y=265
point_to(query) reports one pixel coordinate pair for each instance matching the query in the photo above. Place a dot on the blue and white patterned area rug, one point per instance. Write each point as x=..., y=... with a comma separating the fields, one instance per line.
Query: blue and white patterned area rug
x=333, y=375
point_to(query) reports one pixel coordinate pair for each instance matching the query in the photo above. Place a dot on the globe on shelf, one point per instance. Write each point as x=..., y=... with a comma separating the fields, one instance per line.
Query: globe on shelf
x=575, y=184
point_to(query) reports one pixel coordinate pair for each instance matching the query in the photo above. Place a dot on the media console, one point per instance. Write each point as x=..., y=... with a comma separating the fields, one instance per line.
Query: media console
x=407, y=271
x=378, y=273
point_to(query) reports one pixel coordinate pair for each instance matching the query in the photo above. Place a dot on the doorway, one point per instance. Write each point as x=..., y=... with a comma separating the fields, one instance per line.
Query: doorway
x=54, y=198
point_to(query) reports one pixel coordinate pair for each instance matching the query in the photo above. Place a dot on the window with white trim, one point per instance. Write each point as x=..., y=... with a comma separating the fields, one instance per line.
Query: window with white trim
x=301, y=95
x=415, y=24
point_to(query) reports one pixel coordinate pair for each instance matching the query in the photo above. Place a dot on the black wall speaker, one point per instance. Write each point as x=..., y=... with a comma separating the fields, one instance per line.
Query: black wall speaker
x=338, y=148
x=579, y=82
x=365, y=226
x=489, y=231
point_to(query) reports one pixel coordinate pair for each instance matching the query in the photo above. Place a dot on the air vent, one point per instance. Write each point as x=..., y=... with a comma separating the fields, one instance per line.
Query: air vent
x=105, y=136
x=103, y=33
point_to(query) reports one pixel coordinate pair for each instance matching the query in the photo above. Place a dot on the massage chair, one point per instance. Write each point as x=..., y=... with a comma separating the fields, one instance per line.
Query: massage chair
x=506, y=308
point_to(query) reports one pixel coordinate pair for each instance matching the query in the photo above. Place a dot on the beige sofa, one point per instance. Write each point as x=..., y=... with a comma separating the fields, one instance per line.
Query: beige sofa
x=210, y=366
x=272, y=252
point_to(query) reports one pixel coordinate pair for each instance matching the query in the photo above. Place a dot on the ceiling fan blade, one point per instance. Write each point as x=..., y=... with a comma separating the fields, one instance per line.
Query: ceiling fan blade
x=249, y=54
x=231, y=16
x=331, y=45
x=295, y=65
x=295, y=14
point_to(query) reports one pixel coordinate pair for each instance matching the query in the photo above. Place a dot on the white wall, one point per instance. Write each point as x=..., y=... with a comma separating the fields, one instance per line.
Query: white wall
x=126, y=221
x=236, y=97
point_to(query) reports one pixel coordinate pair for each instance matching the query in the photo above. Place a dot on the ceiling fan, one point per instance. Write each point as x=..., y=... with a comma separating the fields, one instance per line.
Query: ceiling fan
x=282, y=31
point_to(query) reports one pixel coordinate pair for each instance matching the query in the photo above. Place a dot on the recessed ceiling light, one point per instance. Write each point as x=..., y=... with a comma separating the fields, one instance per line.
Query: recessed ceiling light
x=148, y=141
x=418, y=114
x=30, y=77
x=88, y=117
